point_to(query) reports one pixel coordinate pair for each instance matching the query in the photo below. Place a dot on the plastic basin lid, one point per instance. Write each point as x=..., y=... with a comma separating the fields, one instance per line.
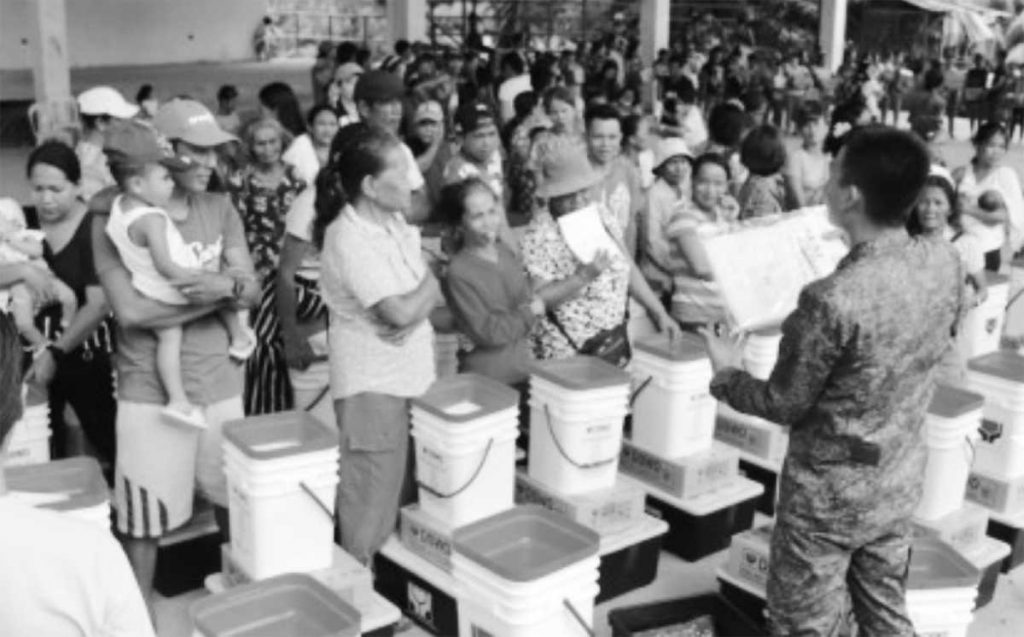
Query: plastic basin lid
x=952, y=402
x=1001, y=364
x=935, y=564
x=581, y=373
x=279, y=435
x=684, y=349
x=466, y=397
x=80, y=479
x=292, y=605
x=526, y=543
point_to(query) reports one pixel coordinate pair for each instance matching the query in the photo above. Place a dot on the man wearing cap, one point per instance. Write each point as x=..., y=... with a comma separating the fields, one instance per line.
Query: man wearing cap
x=378, y=96
x=98, y=107
x=428, y=143
x=160, y=463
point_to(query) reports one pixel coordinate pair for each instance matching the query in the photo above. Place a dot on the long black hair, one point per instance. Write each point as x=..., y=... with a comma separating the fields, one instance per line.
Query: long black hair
x=282, y=101
x=358, y=151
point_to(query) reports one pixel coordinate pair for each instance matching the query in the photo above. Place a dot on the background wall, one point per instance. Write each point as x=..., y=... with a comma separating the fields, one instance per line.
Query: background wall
x=118, y=32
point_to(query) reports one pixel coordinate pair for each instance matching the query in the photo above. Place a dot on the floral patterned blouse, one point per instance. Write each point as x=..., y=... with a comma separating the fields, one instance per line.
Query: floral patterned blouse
x=263, y=209
x=600, y=306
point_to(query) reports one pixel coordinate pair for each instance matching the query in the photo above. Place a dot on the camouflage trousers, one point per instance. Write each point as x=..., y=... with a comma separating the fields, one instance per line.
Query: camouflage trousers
x=817, y=577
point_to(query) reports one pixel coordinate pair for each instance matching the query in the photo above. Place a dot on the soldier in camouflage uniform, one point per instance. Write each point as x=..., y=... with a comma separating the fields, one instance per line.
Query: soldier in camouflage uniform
x=853, y=379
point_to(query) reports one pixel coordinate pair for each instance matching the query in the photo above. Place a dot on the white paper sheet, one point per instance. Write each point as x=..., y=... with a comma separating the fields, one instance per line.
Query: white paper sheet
x=585, y=234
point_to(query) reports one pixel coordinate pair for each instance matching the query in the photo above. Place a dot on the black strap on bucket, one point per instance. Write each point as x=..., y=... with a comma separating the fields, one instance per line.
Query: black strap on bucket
x=445, y=496
x=558, y=445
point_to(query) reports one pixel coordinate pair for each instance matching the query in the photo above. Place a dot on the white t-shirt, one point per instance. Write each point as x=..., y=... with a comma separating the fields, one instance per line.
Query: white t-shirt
x=302, y=155
x=508, y=91
x=1004, y=181
x=299, y=224
x=64, y=577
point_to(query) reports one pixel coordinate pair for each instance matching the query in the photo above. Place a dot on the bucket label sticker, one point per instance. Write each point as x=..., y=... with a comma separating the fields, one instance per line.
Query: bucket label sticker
x=990, y=430
x=743, y=436
x=999, y=495
x=421, y=605
x=527, y=493
x=694, y=477
x=991, y=325
x=753, y=566
x=650, y=469
x=433, y=545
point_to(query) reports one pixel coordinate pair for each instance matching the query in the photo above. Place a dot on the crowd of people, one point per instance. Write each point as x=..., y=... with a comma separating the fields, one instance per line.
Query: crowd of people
x=182, y=266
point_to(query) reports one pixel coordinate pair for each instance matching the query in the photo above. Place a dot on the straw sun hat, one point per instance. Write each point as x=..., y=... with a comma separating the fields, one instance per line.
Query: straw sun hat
x=564, y=168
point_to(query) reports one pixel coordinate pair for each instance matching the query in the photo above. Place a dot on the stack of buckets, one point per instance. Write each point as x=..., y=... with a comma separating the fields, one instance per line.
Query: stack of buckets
x=673, y=413
x=577, y=410
x=29, y=440
x=524, y=573
x=997, y=476
x=951, y=428
x=982, y=328
x=465, y=429
x=74, y=487
x=282, y=472
x=941, y=587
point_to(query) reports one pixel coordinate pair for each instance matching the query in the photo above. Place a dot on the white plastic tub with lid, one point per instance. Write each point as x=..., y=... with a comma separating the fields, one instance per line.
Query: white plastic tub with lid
x=982, y=328
x=999, y=377
x=950, y=429
x=673, y=410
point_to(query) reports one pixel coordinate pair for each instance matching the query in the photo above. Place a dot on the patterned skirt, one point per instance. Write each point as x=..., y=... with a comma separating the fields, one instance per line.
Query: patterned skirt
x=267, y=387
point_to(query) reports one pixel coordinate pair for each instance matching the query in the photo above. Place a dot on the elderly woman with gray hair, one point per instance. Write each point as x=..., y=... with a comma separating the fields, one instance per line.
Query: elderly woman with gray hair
x=262, y=192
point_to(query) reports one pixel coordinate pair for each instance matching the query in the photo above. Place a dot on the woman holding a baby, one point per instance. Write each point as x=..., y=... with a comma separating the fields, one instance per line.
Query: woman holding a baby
x=49, y=275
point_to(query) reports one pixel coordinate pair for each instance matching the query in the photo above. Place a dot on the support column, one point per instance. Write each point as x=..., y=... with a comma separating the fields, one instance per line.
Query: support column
x=54, y=113
x=407, y=20
x=832, y=32
x=654, y=30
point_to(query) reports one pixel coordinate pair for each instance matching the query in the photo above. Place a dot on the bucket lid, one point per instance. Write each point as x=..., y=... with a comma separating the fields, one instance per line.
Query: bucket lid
x=952, y=402
x=935, y=564
x=292, y=604
x=526, y=543
x=684, y=349
x=278, y=435
x=581, y=373
x=994, y=278
x=466, y=397
x=1001, y=364
x=80, y=479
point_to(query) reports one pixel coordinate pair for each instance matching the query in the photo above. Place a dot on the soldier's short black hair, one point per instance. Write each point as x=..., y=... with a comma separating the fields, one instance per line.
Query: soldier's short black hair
x=889, y=167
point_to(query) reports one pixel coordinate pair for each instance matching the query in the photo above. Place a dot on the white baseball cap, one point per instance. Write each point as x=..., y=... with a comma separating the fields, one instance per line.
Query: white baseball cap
x=103, y=100
x=190, y=121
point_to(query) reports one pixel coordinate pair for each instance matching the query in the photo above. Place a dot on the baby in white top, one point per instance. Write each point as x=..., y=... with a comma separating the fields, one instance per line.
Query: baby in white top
x=156, y=254
x=18, y=244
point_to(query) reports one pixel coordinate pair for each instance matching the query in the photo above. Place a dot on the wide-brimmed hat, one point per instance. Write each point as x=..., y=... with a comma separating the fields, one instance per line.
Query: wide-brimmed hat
x=564, y=168
x=669, y=147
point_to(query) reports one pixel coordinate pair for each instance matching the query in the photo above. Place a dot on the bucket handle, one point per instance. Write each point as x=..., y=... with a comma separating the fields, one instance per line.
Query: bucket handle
x=321, y=505
x=974, y=450
x=445, y=496
x=561, y=450
x=639, y=390
x=576, y=615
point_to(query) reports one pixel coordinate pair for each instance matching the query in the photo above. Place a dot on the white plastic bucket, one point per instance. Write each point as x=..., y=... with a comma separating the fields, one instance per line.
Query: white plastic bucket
x=462, y=482
x=583, y=398
x=761, y=352
x=674, y=421
x=491, y=605
x=281, y=527
x=28, y=448
x=572, y=453
x=950, y=454
x=983, y=326
x=1000, y=451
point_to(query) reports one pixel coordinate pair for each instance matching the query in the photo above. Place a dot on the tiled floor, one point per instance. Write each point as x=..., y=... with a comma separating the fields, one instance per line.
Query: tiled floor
x=1003, y=617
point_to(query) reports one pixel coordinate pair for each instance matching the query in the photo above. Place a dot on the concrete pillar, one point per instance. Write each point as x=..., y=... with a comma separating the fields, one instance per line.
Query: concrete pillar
x=407, y=20
x=832, y=32
x=54, y=114
x=654, y=28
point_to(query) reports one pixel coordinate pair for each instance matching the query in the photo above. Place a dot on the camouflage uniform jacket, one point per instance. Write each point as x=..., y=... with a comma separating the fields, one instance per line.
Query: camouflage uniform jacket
x=853, y=379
